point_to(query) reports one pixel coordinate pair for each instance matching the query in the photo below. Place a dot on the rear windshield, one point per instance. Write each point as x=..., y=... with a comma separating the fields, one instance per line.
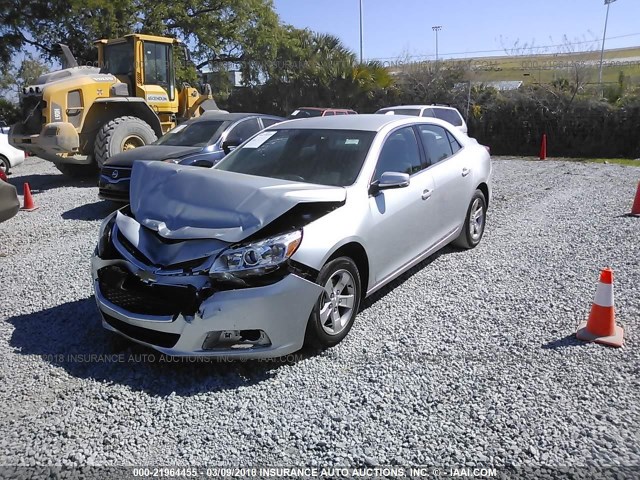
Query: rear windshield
x=451, y=116
x=196, y=134
x=401, y=111
x=323, y=157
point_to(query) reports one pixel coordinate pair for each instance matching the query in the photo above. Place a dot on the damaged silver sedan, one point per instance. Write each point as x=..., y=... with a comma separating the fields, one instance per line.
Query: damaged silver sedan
x=278, y=244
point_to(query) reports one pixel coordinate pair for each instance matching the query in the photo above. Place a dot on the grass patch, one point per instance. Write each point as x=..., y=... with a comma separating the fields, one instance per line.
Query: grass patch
x=617, y=161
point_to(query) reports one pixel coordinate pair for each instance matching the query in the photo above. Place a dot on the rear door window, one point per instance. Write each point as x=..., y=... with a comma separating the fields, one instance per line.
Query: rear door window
x=435, y=140
x=243, y=130
x=455, y=145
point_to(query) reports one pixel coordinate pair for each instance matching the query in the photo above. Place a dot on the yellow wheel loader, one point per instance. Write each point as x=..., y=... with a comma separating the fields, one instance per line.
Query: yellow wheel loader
x=80, y=116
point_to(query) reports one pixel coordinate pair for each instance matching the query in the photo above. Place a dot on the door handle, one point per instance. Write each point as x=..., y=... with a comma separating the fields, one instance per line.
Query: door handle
x=426, y=194
x=466, y=171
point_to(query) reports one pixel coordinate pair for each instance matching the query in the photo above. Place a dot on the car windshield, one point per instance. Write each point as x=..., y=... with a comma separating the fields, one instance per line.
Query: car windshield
x=447, y=115
x=305, y=113
x=324, y=157
x=196, y=134
x=401, y=111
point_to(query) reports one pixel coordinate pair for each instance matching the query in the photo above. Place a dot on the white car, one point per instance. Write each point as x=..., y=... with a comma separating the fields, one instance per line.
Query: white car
x=9, y=156
x=448, y=114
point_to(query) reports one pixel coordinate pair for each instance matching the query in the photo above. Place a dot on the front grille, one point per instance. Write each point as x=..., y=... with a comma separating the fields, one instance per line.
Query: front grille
x=113, y=194
x=153, y=337
x=127, y=291
x=121, y=173
x=32, y=114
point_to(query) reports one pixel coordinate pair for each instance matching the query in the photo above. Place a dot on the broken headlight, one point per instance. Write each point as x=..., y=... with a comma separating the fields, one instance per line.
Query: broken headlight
x=256, y=258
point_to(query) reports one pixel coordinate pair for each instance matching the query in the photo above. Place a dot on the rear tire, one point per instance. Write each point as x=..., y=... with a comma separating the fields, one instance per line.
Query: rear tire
x=122, y=133
x=474, y=222
x=335, y=310
x=76, y=170
x=4, y=164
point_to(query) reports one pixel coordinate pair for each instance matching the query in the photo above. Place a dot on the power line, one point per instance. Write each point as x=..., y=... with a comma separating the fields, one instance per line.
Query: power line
x=503, y=50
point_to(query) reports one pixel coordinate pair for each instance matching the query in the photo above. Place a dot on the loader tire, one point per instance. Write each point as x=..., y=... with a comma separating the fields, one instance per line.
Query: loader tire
x=120, y=134
x=78, y=171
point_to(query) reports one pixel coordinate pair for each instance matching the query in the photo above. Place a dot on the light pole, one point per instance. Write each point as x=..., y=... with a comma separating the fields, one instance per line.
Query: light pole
x=436, y=28
x=604, y=35
x=360, y=31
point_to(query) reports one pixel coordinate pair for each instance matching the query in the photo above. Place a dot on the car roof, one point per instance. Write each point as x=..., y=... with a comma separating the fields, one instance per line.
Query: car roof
x=368, y=122
x=226, y=116
x=418, y=106
x=324, y=109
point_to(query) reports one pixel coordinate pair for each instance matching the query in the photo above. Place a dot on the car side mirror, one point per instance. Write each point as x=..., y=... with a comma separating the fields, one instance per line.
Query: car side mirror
x=389, y=180
x=230, y=144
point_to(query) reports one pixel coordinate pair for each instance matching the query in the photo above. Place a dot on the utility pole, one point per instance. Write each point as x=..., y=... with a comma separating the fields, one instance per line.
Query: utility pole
x=361, y=56
x=604, y=36
x=436, y=28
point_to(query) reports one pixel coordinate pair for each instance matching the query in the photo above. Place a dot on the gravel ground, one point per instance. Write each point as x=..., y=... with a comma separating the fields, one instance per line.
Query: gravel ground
x=468, y=359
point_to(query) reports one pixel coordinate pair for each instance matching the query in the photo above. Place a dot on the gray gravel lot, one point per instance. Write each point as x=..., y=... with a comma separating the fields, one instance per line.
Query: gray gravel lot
x=468, y=359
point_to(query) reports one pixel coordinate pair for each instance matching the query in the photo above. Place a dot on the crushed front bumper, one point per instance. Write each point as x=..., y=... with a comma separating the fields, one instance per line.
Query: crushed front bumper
x=279, y=311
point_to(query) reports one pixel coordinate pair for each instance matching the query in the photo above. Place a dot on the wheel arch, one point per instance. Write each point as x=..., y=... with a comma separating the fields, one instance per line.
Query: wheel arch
x=484, y=188
x=358, y=254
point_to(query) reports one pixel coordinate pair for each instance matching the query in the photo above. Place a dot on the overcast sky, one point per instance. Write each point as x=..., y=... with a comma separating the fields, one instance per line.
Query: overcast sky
x=396, y=27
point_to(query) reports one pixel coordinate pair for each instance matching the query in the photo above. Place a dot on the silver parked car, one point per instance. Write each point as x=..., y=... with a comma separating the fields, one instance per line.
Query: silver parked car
x=277, y=245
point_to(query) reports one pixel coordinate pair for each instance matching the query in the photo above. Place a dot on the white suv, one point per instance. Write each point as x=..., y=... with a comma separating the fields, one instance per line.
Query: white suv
x=448, y=114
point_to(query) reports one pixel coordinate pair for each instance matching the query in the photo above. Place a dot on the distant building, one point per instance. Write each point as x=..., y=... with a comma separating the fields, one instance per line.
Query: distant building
x=224, y=79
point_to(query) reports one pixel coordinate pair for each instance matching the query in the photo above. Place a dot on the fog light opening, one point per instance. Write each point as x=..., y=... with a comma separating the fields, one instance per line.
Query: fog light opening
x=236, y=340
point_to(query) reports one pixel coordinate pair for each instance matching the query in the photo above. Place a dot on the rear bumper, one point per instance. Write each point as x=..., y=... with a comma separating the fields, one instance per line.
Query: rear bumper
x=280, y=310
x=15, y=157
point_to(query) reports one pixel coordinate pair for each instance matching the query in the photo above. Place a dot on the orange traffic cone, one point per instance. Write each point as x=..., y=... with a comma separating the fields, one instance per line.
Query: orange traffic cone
x=28, y=206
x=543, y=147
x=635, y=210
x=601, y=326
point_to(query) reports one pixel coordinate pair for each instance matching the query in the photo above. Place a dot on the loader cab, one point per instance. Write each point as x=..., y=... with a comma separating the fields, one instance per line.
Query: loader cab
x=145, y=64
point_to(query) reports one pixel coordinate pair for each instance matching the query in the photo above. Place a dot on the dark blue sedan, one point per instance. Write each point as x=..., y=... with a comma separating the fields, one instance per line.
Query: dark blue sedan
x=202, y=141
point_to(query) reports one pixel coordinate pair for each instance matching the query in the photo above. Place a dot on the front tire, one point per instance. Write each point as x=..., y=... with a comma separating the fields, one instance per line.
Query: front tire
x=120, y=134
x=474, y=222
x=335, y=310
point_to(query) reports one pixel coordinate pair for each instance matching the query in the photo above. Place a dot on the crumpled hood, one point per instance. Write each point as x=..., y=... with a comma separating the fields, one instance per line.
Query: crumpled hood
x=150, y=152
x=181, y=202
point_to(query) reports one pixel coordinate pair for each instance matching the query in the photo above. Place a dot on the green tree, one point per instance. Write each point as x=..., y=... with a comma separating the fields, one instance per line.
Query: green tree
x=229, y=30
x=13, y=81
x=9, y=111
